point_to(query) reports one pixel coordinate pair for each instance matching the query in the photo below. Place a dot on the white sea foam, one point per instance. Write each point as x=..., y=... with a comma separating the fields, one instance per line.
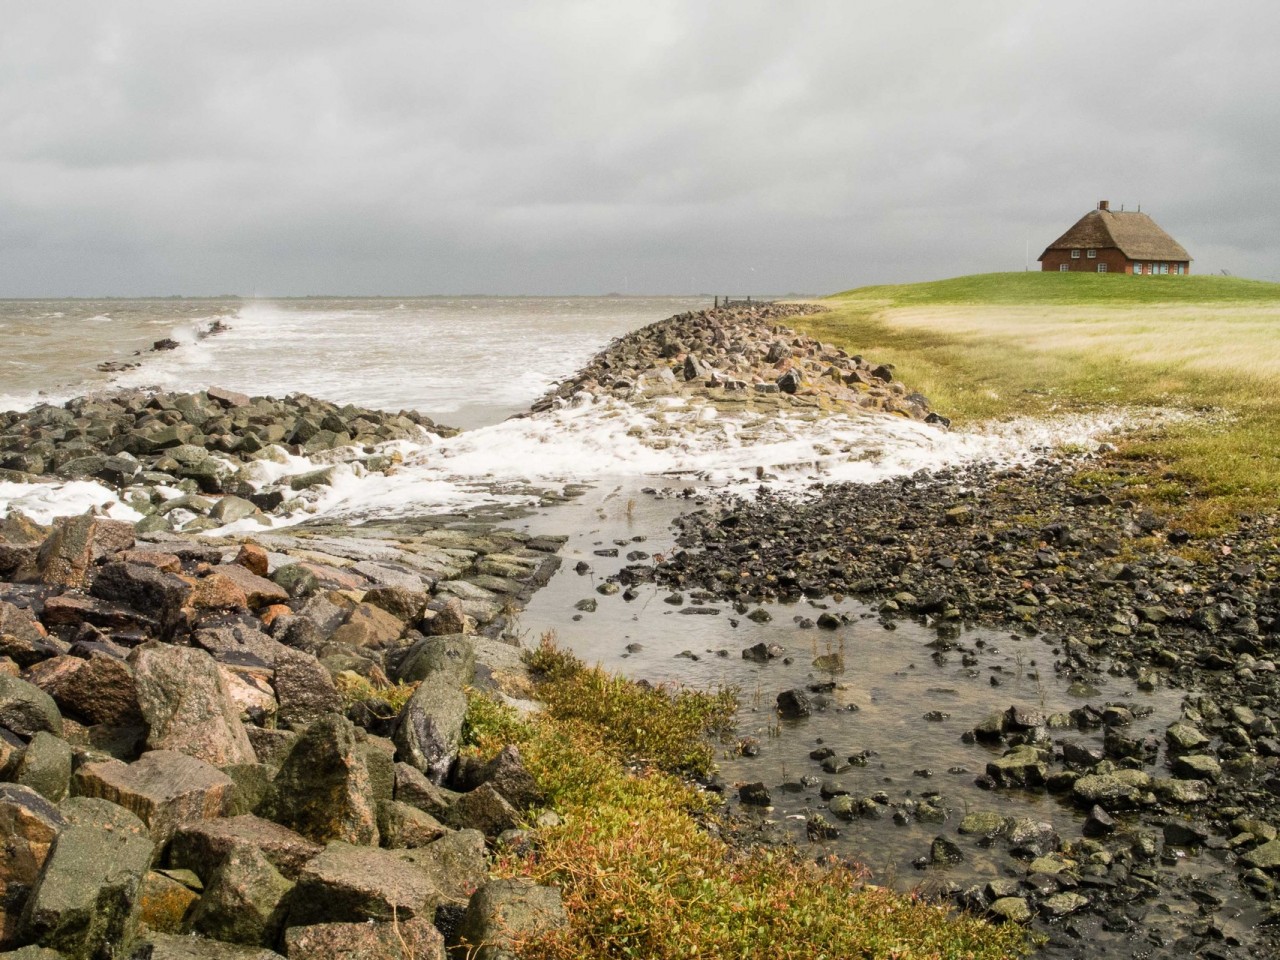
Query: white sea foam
x=610, y=440
x=43, y=502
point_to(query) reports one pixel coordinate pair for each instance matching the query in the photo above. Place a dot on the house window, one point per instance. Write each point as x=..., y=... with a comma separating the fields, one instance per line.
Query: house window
x=1075, y=254
x=1137, y=269
x=1102, y=268
x=1064, y=267
x=1091, y=253
x=1182, y=268
x=1164, y=268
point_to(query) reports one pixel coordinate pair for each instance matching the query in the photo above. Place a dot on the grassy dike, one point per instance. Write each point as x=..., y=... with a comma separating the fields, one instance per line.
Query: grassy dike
x=643, y=875
x=999, y=345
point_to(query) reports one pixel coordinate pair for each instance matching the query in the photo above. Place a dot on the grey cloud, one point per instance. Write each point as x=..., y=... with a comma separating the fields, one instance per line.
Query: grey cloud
x=401, y=147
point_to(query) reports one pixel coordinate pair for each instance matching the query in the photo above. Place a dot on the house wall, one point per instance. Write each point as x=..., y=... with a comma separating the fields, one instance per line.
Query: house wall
x=1116, y=261
x=1173, y=266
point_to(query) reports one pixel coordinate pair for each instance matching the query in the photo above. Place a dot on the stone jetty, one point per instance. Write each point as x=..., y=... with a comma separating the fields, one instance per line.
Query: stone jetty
x=741, y=359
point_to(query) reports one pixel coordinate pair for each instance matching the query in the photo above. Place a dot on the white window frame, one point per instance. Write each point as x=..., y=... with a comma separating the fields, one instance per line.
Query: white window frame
x=1064, y=268
x=1102, y=267
x=1137, y=269
x=1091, y=253
x=1075, y=254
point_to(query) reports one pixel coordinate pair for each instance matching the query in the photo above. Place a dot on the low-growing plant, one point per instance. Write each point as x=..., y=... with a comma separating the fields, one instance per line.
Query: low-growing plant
x=640, y=873
x=386, y=700
x=664, y=726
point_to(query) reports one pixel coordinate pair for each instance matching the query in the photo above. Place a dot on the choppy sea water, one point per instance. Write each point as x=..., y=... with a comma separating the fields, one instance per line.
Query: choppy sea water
x=465, y=361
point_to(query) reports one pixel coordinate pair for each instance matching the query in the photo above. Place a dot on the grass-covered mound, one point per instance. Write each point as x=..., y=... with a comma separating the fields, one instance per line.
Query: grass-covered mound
x=1071, y=289
x=641, y=873
x=1035, y=344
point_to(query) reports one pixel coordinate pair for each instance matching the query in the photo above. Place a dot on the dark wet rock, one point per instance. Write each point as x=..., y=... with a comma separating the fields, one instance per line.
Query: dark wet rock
x=1099, y=823
x=755, y=794
x=762, y=652
x=793, y=704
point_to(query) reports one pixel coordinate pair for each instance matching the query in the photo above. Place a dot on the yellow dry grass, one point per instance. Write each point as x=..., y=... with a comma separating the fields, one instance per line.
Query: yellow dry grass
x=1241, y=341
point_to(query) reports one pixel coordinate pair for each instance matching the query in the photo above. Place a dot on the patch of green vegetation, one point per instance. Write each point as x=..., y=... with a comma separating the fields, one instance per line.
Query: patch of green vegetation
x=1069, y=289
x=641, y=875
x=386, y=700
x=1015, y=346
x=663, y=727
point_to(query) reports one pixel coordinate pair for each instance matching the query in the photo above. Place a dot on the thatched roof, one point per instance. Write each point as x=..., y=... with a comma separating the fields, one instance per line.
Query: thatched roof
x=1136, y=235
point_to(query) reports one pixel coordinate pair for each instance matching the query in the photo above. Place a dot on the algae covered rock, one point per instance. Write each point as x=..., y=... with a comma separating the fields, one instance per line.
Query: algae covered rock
x=244, y=901
x=26, y=709
x=502, y=912
x=323, y=790
x=416, y=939
x=353, y=884
x=87, y=898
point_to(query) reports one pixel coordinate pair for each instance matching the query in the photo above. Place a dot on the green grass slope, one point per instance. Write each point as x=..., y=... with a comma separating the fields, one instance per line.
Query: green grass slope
x=1001, y=345
x=1070, y=289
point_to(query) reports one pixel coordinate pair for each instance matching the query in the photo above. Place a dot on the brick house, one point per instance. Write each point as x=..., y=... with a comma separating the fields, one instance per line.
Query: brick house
x=1107, y=241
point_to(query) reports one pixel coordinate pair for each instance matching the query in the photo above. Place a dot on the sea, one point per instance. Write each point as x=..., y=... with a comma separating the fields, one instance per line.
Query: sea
x=468, y=362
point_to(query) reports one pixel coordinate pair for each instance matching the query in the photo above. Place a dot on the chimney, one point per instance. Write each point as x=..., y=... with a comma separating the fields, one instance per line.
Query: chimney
x=1104, y=204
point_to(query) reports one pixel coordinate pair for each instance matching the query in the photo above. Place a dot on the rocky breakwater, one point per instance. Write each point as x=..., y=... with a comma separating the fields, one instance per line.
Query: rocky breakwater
x=195, y=461
x=741, y=359
x=1058, y=550
x=251, y=748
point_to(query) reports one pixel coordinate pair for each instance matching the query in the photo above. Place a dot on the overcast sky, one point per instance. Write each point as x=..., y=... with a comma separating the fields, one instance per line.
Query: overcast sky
x=283, y=148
